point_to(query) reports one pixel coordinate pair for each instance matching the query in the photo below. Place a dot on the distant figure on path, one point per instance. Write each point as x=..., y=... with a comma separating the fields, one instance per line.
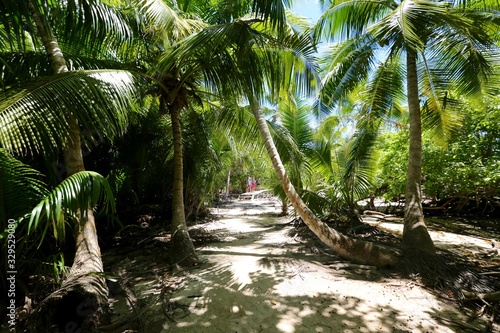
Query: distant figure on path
x=249, y=184
x=258, y=183
x=253, y=184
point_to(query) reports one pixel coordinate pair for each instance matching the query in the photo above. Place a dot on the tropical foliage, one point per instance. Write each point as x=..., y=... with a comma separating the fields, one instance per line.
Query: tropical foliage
x=175, y=103
x=459, y=176
x=433, y=50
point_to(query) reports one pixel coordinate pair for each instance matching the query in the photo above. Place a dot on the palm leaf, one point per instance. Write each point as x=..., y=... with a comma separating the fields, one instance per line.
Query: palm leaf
x=242, y=59
x=349, y=19
x=272, y=10
x=384, y=94
x=88, y=27
x=16, y=67
x=321, y=159
x=165, y=21
x=359, y=167
x=21, y=188
x=13, y=18
x=345, y=65
x=34, y=117
x=82, y=189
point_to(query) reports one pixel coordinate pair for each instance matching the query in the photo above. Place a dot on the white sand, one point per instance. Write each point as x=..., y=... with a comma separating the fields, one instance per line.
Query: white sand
x=262, y=280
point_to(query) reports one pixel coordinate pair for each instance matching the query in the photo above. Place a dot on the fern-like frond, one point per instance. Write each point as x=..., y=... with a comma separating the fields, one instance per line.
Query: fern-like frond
x=82, y=189
x=34, y=116
x=165, y=21
x=21, y=188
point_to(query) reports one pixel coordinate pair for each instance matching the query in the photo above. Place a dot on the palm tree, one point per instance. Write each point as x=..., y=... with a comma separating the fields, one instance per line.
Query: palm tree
x=299, y=151
x=26, y=201
x=185, y=76
x=428, y=46
x=248, y=58
x=346, y=247
x=49, y=114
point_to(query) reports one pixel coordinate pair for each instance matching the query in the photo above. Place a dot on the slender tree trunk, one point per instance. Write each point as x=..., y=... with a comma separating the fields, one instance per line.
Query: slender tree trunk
x=55, y=56
x=83, y=294
x=346, y=247
x=284, y=207
x=183, y=252
x=415, y=234
x=228, y=183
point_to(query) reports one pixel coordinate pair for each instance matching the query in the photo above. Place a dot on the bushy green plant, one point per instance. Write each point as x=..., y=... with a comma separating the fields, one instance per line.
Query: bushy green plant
x=467, y=168
x=391, y=176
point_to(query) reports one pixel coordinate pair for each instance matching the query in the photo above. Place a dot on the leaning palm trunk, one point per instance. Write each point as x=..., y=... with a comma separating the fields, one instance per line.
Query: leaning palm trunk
x=346, y=247
x=83, y=294
x=415, y=234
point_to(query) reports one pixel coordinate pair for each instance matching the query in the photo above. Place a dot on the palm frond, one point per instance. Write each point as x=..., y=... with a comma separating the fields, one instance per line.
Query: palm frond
x=295, y=118
x=272, y=10
x=345, y=65
x=321, y=158
x=13, y=25
x=358, y=167
x=409, y=22
x=164, y=18
x=82, y=189
x=349, y=19
x=285, y=144
x=299, y=23
x=34, y=117
x=16, y=67
x=235, y=58
x=290, y=64
x=384, y=94
x=467, y=56
x=240, y=122
x=21, y=188
x=88, y=26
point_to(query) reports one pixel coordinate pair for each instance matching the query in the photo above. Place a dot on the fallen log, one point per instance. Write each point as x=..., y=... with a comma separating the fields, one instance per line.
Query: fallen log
x=377, y=214
x=347, y=265
x=473, y=296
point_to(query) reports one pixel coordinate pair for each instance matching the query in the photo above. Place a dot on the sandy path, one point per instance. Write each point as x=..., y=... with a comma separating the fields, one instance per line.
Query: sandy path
x=262, y=280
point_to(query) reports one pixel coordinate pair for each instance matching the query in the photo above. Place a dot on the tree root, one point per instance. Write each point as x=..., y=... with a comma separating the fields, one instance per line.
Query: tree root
x=458, y=324
x=78, y=305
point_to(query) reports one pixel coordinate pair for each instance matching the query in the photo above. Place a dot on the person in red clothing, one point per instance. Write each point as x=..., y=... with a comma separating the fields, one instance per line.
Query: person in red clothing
x=253, y=184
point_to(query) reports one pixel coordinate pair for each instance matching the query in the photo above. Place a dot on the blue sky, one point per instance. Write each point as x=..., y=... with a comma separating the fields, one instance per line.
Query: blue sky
x=307, y=8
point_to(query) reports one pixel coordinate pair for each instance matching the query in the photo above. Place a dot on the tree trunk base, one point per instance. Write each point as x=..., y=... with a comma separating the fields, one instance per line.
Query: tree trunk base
x=183, y=252
x=78, y=306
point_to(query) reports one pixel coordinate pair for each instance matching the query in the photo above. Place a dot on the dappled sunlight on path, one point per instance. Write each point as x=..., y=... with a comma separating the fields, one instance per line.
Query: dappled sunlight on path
x=442, y=239
x=260, y=279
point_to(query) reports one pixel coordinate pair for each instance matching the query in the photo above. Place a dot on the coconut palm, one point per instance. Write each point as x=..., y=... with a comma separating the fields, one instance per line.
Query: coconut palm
x=50, y=114
x=39, y=213
x=346, y=247
x=293, y=136
x=186, y=76
x=431, y=47
x=248, y=58
x=26, y=200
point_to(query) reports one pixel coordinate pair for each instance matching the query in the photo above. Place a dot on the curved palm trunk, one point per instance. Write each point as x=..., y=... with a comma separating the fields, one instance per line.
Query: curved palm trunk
x=346, y=247
x=183, y=252
x=415, y=234
x=83, y=294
